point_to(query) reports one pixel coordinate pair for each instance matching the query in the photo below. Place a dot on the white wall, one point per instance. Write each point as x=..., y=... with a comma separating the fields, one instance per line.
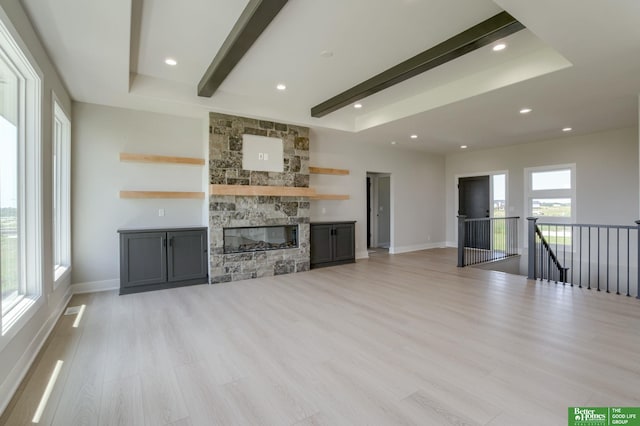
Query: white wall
x=606, y=174
x=99, y=135
x=417, y=190
x=19, y=352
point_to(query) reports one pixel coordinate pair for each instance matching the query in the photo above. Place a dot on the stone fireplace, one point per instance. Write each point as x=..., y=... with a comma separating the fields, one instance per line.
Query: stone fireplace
x=263, y=225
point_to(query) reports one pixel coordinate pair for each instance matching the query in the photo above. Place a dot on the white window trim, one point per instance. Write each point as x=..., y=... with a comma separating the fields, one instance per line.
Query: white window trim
x=30, y=182
x=530, y=194
x=63, y=269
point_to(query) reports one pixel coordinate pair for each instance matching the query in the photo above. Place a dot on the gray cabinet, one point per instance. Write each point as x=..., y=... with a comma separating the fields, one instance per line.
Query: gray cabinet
x=154, y=259
x=332, y=243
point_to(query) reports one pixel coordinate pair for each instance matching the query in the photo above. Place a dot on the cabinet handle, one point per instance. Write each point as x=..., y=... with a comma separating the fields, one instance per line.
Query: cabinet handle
x=164, y=242
x=171, y=242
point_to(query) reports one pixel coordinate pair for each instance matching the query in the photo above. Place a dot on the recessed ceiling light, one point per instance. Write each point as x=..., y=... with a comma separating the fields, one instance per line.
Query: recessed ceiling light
x=357, y=106
x=171, y=61
x=567, y=129
x=498, y=47
x=281, y=87
x=414, y=136
x=393, y=142
x=326, y=53
x=525, y=110
x=463, y=147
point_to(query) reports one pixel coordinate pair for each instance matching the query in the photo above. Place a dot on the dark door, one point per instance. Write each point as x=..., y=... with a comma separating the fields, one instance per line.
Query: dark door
x=368, y=212
x=344, y=240
x=143, y=259
x=321, y=244
x=186, y=255
x=474, y=202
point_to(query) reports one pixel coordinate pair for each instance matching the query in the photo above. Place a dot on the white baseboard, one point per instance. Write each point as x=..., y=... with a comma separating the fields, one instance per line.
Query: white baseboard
x=452, y=244
x=17, y=374
x=362, y=255
x=416, y=247
x=95, y=286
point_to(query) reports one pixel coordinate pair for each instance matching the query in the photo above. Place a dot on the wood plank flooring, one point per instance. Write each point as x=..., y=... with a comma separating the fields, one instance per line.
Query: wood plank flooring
x=404, y=339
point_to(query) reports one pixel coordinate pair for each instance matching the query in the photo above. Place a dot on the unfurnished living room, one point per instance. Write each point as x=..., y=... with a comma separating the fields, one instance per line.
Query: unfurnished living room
x=301, y=212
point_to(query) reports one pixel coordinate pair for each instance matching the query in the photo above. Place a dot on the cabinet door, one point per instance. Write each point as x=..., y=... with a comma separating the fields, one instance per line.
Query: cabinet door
x=344, y=240
x=321, y=244
x=187, y=255
x=143, y=259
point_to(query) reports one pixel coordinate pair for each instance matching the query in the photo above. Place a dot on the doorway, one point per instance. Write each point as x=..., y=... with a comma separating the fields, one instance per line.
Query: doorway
x=378, y=210
x=474, y=203
x=474, y=197
x=482, y=196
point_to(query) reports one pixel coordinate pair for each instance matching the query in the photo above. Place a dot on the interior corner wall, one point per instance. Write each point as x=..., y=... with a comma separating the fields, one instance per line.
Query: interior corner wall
x=607, y=176
x=417, y=189
x=99, y=135
x=20, y=351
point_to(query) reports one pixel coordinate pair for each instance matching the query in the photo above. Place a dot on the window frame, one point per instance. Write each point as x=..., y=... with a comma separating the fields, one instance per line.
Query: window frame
x=61, y=199
x=560, y=193
x=30, y=214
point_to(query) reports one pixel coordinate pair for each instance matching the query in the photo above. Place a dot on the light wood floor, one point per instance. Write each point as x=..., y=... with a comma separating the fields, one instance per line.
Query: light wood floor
x=404, y=339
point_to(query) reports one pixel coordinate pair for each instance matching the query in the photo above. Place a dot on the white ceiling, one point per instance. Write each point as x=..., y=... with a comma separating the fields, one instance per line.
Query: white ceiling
x=577, y=64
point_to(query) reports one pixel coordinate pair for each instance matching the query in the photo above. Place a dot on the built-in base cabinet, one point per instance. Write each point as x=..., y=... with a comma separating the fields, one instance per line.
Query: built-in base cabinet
x=332, y=243
x=156, y=259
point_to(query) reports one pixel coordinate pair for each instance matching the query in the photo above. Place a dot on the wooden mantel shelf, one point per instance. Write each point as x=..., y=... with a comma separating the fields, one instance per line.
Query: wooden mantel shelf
x=327, y=171
x=161, y=194
x=330, y=197
x=151, y=158
x=252, y=190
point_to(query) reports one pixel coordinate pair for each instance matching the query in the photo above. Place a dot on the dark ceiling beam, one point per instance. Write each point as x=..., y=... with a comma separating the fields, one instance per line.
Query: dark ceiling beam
x=252, y=22
x=134, y=43
x=486, y=32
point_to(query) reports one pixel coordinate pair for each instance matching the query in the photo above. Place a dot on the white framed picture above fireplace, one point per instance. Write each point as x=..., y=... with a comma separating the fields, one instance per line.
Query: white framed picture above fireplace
x=262, y=153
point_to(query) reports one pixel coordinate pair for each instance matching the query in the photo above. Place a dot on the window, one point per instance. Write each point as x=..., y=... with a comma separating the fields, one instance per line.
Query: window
x=20, y=192
x=9, y=241
x=551, y=193
x=499, y=190
x=61, y=190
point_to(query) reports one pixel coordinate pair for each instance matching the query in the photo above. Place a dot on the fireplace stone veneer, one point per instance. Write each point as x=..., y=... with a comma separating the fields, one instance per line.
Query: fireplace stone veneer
x=229, y=211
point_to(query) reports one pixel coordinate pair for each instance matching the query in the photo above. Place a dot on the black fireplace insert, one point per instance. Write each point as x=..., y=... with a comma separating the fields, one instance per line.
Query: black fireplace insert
x=260, y=238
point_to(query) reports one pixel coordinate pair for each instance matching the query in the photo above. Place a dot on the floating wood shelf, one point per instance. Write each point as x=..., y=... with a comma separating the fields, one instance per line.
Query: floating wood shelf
x=251, y=190
x=161, y=194
x=327, y=171
x=330, y=197
x=150, y=158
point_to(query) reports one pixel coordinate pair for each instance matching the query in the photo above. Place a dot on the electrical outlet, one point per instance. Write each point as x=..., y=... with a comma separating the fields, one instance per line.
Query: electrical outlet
x=266, y=156
x=161, y=212
x=260, y=156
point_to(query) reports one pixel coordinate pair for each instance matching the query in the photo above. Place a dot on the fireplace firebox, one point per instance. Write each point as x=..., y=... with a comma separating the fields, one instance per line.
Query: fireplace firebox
x=260, y=238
